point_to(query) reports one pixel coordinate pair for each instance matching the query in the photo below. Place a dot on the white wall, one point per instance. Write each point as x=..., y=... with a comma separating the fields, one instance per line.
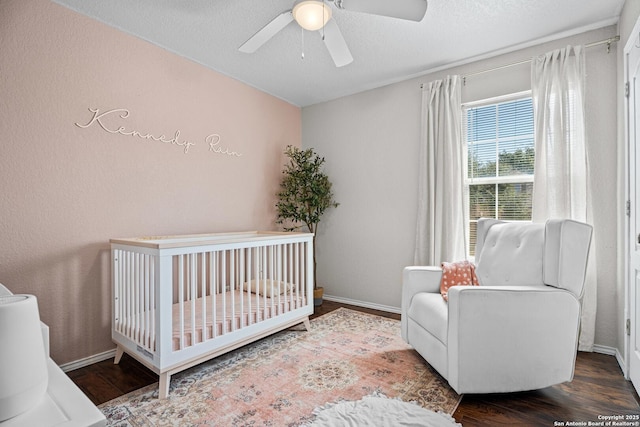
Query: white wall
x=370, y=141
x=65, y=190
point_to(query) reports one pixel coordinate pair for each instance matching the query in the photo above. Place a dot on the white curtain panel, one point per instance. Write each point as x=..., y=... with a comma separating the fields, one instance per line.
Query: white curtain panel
x=441, y=225
x=561, y=186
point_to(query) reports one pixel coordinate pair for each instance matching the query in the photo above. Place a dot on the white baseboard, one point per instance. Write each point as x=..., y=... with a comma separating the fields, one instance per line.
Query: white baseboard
x=365, y=304
x=88, y=361
x=603, y=349
x=612, y=351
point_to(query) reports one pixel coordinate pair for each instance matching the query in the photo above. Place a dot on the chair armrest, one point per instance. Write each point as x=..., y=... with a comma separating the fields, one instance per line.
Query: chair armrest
x=501, y=337
x=416, y=279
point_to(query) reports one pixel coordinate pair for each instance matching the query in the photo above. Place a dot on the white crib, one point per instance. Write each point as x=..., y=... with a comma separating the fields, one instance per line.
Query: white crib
x=181, y=300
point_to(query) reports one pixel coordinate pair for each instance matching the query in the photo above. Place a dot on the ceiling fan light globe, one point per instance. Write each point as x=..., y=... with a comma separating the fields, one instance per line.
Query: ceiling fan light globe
x=311, y=14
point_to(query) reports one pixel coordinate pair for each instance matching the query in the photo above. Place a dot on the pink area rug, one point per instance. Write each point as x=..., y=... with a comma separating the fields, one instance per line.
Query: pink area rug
x=281, y=379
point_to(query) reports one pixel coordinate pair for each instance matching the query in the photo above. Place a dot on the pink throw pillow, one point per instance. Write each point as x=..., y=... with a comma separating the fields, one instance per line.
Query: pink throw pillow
x=459, y=273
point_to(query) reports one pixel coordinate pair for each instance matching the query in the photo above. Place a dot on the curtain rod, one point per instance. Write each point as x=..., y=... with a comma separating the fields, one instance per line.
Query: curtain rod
x=513, y=64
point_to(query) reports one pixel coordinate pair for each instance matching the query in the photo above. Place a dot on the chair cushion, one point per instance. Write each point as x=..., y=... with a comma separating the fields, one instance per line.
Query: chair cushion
x=429, y=310
x=512, y=254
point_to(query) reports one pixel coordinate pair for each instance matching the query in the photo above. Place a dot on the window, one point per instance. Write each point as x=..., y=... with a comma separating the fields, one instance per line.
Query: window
x=500, y=159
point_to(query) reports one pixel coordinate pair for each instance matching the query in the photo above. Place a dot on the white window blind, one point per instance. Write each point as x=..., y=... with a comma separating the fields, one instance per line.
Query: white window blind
x=500, y=161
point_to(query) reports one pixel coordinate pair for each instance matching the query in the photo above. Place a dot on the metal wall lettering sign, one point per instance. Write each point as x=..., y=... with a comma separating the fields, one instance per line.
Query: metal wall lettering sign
x=110, y=121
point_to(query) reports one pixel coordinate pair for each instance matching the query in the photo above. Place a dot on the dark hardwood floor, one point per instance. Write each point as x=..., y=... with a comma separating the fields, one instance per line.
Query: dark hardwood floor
x=598, y=390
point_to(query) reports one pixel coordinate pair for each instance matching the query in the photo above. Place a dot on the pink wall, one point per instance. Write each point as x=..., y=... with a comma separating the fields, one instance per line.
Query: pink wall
x=65, y=191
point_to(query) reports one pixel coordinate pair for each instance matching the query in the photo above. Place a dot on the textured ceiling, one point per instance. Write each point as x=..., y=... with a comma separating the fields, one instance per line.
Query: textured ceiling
x=385, y=50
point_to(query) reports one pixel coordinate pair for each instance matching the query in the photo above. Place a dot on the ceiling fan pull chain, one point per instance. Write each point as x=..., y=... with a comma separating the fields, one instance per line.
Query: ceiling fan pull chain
x=302, y=39
x=323, y=20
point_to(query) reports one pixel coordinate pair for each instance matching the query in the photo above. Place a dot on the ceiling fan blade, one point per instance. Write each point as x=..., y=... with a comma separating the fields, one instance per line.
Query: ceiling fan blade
x=335, y=44
x=268, y=31
x=413, y=10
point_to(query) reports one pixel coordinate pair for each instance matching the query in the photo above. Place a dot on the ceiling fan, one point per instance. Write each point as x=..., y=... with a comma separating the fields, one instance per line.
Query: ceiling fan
x=313, y=15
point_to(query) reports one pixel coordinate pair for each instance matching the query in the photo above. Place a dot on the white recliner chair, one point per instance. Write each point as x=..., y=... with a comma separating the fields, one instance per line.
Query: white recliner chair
x=518, y=330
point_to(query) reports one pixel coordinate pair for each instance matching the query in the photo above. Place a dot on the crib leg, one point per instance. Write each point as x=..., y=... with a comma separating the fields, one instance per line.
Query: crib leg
x=307, y=324
x=165, y=380
x=119, y=353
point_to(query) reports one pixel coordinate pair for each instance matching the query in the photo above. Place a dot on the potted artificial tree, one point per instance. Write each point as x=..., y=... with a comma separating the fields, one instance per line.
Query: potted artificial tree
x=305, y=194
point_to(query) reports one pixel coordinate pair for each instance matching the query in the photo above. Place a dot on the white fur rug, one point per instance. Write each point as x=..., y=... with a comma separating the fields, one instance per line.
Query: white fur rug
x=379, y=411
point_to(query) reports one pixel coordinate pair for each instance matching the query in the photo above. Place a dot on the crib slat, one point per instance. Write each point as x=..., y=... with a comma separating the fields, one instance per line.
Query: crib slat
x=285, y=279
x=241, y=271
x=232, y=271
x=214, y=293
x=141, y=293
x=127, y=294
x=152, y=303
x=181, y=298
x=249, y=265
x=130, y=289
x=223, y=280
x=271, y=276
x=145, y=301
x=134, y=295
x=192, y=294
x=296, y=267
x=292, y=280
x=138, y=296
x=287, y=273
x=263, y=274
x=279, y=276
x=123, y=293
x=203, y=292
x=132, y=303
x=130, y=282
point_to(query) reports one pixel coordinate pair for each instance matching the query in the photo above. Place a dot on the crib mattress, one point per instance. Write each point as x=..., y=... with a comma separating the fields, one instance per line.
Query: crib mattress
x=226, y=313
